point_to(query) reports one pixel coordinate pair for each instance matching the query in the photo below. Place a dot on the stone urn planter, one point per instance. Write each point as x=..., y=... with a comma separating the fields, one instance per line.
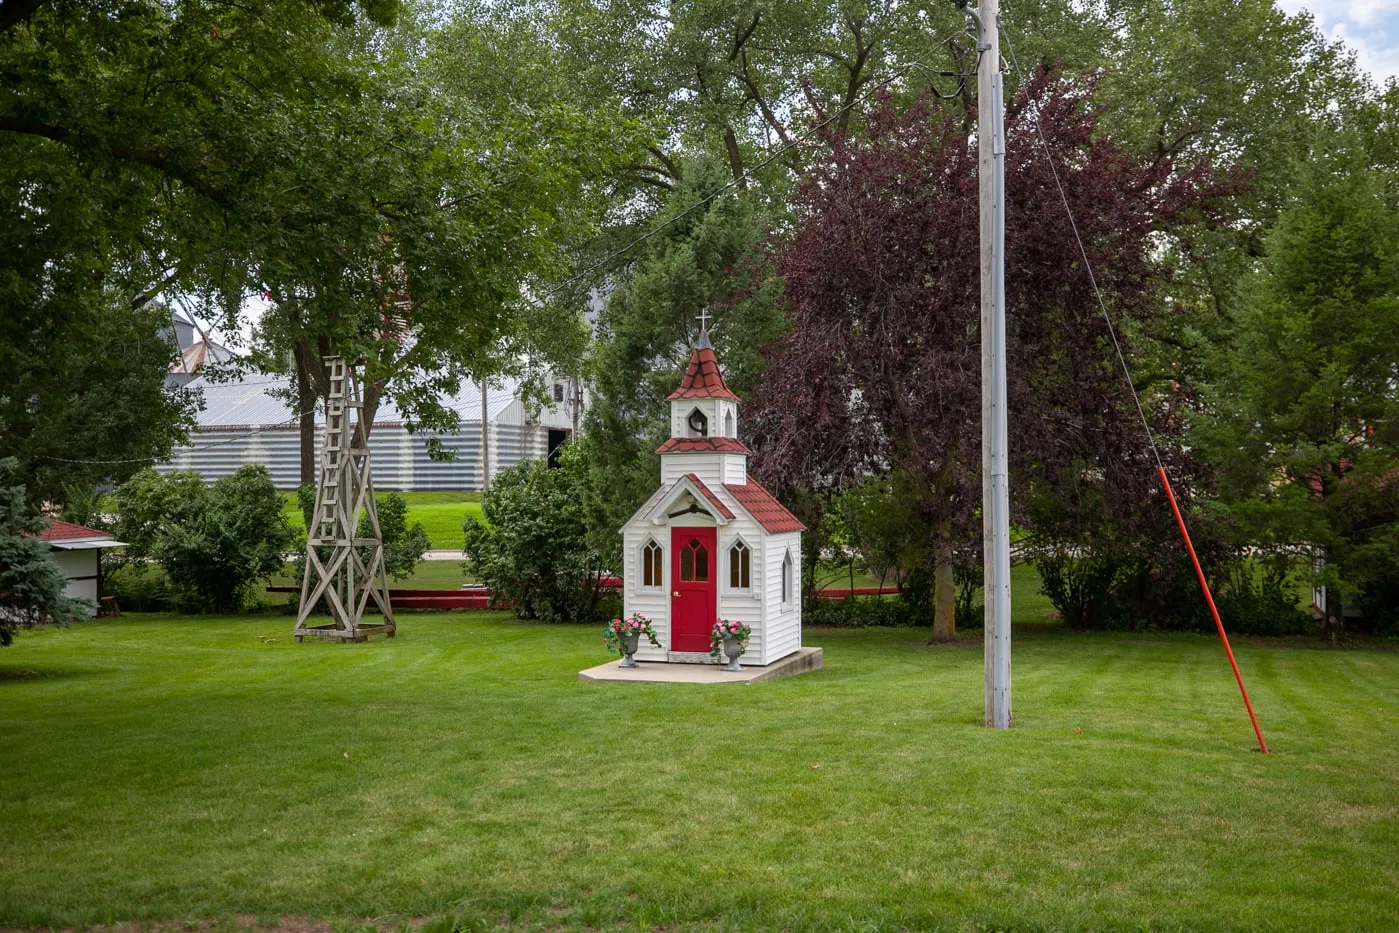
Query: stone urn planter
x=729, y=639
x=629, y=646
x=624, y=636
x=733, y=650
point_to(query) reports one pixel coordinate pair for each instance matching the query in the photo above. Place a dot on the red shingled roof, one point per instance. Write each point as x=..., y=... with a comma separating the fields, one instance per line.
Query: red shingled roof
x=766, y=510
x=67, y=531
x=687, y=445
x=724, y=510
x=702, y=377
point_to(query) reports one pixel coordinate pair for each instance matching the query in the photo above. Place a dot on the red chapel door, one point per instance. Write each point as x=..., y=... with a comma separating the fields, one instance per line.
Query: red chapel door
x=693, y=591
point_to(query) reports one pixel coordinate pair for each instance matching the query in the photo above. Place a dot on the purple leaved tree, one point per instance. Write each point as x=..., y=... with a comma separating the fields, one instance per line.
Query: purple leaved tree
x=881, y=370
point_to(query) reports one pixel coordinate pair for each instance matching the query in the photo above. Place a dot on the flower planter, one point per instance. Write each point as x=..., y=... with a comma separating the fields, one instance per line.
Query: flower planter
x=629, y=646
x=733, y=650
x=624, y=637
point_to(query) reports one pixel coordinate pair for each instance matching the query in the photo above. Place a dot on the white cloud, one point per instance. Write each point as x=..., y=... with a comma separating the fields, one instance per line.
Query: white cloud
x=1369, y=27
x=1381, y=61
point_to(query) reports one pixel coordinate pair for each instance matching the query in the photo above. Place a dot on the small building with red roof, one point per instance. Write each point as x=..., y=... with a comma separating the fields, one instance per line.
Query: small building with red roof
x=77, y=550
x=711, y=543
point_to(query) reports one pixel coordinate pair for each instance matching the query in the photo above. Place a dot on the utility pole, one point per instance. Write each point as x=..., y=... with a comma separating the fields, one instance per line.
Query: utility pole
x=995, y=491
x=485, y=439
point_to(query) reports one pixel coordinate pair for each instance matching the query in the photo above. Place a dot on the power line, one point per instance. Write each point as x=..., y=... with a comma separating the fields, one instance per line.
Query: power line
x=231, y=440
x=1151, y=440
x=1083, y=251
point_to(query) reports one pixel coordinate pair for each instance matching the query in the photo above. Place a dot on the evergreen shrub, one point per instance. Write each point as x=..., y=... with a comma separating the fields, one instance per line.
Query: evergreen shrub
x=1103, y=592
x=214, y=542
x=540, y=548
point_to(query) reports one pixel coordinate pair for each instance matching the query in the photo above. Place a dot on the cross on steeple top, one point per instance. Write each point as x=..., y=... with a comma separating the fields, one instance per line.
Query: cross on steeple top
x=704, y=319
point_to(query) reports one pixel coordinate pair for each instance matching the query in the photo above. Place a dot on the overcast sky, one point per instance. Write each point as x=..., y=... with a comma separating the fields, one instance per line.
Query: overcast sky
x=1369, y=27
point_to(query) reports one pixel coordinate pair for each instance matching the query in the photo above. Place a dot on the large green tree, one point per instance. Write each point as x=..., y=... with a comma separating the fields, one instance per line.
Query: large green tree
x=465, y=171
x=396, y=209
x=708, y=260
x=135, y=143
x=1305, y=416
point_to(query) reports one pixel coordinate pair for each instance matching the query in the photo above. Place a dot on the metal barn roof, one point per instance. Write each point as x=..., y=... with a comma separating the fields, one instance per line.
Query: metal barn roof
x=259, y=400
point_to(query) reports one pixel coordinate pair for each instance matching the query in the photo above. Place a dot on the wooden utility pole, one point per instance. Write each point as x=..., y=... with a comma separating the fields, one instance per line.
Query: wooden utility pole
x=485, y=440
x=995, y=489
x=341, y=575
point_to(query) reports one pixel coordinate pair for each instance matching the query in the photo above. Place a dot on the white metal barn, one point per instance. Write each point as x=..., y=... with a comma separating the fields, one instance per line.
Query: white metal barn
x=711, y=543
x=251, y=421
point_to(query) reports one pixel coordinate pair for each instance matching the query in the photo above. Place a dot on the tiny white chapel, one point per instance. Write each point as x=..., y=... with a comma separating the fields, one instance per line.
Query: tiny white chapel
x=711, y=543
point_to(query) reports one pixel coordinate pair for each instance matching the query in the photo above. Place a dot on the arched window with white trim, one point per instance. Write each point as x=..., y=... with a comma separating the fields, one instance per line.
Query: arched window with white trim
x=740, y=566
x=652, y=565
x=787, y=577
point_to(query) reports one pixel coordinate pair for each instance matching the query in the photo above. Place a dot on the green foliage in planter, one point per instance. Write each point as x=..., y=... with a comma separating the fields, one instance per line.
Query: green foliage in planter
x=616, y=632
x=724, y=631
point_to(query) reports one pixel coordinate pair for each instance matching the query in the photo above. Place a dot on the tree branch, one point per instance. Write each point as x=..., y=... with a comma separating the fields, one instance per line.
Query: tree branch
x=741, y=37
x=672, y=167
x=151, y=158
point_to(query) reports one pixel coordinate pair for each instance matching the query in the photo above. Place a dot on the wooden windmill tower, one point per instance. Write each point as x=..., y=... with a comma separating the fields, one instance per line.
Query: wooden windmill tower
x=342, y=566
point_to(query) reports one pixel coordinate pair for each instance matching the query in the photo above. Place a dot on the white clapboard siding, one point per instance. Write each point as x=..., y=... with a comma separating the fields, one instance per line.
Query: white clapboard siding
x=652, y=602
x=744, y=606
x=784, y=619
x=80, y=567
x=712, y=469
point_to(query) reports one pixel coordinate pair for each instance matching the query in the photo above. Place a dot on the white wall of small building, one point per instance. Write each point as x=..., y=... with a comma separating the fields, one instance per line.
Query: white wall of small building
x=712, y=469
x=653, y=601
x=80, y=567
x=784, y=618
x=738, y=605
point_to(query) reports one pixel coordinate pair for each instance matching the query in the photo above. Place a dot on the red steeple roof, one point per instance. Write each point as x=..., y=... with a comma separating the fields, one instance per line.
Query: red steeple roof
x=703, y=378
x=690, y=445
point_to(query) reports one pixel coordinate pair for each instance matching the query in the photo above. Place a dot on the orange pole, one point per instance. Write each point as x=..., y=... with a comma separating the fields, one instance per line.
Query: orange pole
x=1209, y=598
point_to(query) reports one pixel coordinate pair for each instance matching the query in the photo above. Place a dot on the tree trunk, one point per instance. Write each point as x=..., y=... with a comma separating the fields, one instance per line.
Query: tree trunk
x=485, y=439
x=306, y=409
x=944, y=603
x=735, y=157
x=370, y=394
x=1334, y=624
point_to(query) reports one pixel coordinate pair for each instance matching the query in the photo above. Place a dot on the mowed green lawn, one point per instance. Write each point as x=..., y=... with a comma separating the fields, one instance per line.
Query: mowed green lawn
x=440, y=513
x=159, y=769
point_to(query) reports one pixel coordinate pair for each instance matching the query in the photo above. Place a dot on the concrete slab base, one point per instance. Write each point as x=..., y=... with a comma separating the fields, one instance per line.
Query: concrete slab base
x=661, y=672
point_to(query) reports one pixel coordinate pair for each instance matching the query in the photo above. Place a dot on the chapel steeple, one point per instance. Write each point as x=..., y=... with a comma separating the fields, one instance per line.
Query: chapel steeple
x=703, y=411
